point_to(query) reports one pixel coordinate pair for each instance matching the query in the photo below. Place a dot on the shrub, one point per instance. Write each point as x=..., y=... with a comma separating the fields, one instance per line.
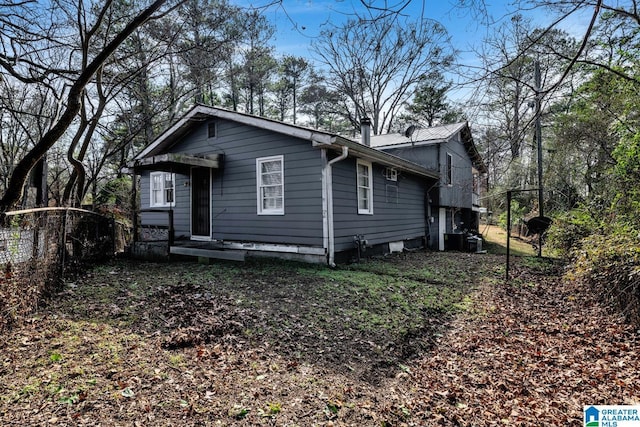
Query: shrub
x=517, y=214
x=568, y=231
x=610, y=266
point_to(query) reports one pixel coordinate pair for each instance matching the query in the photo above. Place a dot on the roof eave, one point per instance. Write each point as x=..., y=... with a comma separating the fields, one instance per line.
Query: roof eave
x=279, y=127
x=381, y=157
x=472, y=150
x=411, y=144
x=202, y=112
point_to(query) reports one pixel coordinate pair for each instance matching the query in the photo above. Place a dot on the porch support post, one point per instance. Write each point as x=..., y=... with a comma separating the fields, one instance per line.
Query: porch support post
x=171, y=230
x=134, y=204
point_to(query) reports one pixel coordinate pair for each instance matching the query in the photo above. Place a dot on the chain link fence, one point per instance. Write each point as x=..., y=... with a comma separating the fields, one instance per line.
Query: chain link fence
x=39, y=246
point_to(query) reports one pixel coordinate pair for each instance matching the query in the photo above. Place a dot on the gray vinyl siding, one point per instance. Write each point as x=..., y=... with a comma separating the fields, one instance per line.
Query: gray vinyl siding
x=434, y=157
x=391, y=220
x=424, y=155
x=234, y=194
x=459, y=193
x=181, y=218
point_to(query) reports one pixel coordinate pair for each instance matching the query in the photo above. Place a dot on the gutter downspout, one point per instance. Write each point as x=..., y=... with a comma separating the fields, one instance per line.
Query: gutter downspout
x=328, y=236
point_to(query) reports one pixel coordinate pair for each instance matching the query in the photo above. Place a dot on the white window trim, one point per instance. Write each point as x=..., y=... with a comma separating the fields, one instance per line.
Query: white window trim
x=259, y=161
x=163, y=203
x=369, y=190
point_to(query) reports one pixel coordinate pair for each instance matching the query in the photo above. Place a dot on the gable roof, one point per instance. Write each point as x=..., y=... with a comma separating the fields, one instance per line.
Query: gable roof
x=430, y=136
x=420, y=136
x=201, y=113
x=318, y=138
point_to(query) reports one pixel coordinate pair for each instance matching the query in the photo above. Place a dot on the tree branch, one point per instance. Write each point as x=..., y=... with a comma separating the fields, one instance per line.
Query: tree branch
x=22, y=170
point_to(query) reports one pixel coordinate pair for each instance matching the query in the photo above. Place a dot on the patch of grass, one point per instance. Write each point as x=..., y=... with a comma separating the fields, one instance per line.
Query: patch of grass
x=55, y=357
x=223, y=271
x=466, y=304
x=54, y=388
x=262, y=342
x=238, y=412
x=71, y=399
x=30, y=389
x=378, y=295
x=176, y=360
x=495, y=242
x=541, y=265
x=272, y=409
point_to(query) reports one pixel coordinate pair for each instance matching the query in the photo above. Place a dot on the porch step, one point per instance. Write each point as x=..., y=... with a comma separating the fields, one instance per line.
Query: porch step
x=232, y=255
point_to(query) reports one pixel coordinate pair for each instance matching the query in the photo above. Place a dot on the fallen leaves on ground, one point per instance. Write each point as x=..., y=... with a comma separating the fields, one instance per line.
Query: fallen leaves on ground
x=179, y=350
x=532, y=352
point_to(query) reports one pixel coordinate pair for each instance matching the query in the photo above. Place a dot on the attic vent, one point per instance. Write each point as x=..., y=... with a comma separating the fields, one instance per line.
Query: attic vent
x=391, y=174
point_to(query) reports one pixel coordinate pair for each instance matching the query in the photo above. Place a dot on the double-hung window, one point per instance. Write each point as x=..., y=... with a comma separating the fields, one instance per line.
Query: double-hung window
x=270, y=185
x=162, y=189
x=365, y=188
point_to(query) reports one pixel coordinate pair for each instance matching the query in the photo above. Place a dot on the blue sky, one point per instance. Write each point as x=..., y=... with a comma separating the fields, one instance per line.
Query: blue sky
x=298, y=22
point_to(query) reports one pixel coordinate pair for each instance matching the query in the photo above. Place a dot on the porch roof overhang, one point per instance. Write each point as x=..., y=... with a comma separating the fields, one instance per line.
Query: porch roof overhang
x=176, y=162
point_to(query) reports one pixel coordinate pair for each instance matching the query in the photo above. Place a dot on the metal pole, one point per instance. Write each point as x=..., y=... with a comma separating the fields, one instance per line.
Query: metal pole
x=539, y=143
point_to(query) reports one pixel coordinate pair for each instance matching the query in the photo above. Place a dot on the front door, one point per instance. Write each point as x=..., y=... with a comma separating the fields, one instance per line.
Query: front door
x=200, y=203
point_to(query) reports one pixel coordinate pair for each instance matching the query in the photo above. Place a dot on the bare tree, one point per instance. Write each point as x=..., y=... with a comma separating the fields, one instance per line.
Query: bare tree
x=509, y=79
x=613, y=21
x=35, y=67
x=377, y=61
x=26, y=111
x=84, y=133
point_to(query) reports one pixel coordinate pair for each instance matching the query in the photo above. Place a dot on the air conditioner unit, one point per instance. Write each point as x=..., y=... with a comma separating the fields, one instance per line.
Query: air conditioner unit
x=391, y=174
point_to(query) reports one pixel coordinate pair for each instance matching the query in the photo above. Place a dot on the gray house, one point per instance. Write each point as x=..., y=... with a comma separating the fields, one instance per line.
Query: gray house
x=226, y=184
x=454, y=204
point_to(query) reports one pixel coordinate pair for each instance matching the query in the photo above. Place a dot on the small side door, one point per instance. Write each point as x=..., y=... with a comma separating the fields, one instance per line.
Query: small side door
x=201, y=203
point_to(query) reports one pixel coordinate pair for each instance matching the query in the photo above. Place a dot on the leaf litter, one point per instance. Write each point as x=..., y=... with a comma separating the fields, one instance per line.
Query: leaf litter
x=284, y=344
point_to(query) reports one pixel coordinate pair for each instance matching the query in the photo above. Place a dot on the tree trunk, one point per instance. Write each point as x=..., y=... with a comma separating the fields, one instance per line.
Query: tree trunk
x=21, y=172
x=78, y=167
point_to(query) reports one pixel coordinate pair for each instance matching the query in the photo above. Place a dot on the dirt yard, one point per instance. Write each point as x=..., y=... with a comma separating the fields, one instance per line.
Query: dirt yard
x=415, y=339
